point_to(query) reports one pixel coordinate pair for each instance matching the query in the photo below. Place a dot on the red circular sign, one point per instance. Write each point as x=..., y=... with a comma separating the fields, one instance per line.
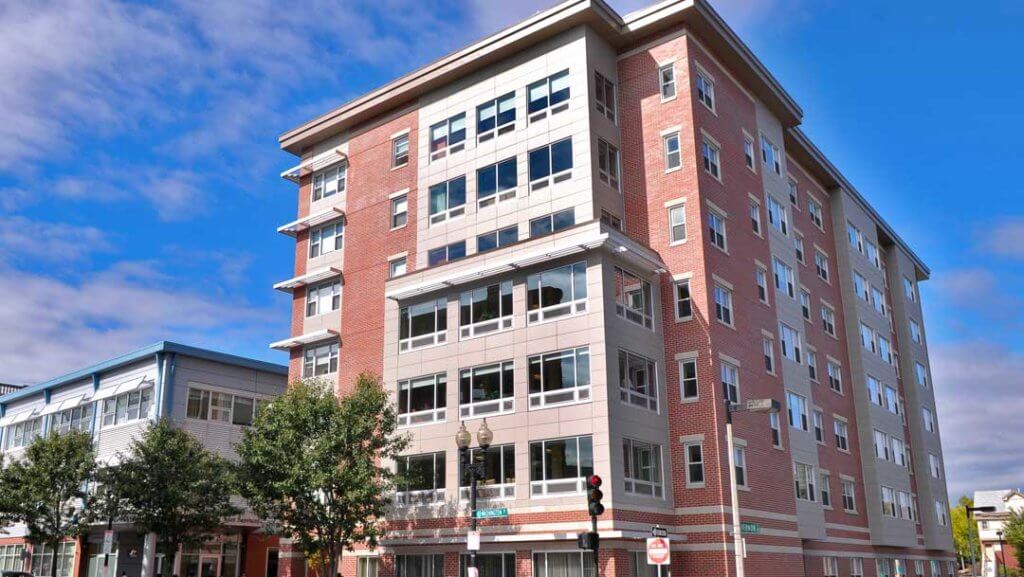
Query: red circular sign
x=657, y=551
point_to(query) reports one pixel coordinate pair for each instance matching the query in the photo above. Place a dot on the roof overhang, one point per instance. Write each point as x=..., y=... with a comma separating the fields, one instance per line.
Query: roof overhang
x=306, y=339
x=306, y=222
x=311, y=165
x=621, y=32
x=312, y=277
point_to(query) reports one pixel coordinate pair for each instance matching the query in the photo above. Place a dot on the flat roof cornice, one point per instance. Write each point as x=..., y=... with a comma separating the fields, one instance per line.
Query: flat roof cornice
x=620, y=31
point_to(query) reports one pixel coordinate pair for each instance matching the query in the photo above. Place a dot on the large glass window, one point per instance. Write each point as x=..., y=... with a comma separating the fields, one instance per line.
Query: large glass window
x=777, y=216
x=485, y=310
x=421, y=479
x=325, y=239
x=497, y=238
x=447, y=200
x=422, y=400
x=323, y=298
x=330, y=181
x=76, y=419
x=42, y=560
x=556, y=292
x=320, y=360
x=559, y=377
x=133, y=406
x=448, y=253
x=633, y=298
x=496, y=182
x=804, y=476
x=496, y=117
x=638, y=380
x=490, y=564
x=500, y=481
x=10, y=557
x=552, y=223
x=448, y=136
x=604, y=92
x=560, y=466
x=22, y=434
x=642, y=462
x=791, y=342
x=551, y=164
x=486, y=390
x=419, y=565
x=423, y=325
x=206, y=405
x=550, y=92
x=608, y=163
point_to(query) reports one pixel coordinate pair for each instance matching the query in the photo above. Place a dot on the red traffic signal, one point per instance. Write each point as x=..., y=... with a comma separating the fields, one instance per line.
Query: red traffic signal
x=594, y=495
x=593, y=482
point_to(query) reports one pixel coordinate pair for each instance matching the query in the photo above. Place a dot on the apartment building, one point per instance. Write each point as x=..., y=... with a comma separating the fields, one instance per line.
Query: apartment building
x=994, y=553
x=590, y=229
x=212, y=395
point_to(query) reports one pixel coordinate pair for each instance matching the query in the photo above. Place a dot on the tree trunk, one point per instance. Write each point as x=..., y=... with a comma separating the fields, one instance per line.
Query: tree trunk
x=53, y=564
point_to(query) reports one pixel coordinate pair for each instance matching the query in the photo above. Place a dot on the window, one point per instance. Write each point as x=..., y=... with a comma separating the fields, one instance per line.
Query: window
x=486, y=390
x=761, y=280
x=723, y=304
x=798, y=247
x=319, y=361
x=133, y=406
x=399, y=211
x=875, y=391
x=323, y=298
x=796, y=407
x=608, y=163
x=500, y=464
x=878, y=301
x=882, y=447
x=828, y=320
x=819, y=428
x=921, y=374
x=710, y=152
x=400, y=151
x=849, y=501
x=805, y=304
x=731, y=382
x=821, y=265
x=496, y=182
x=936, y=569
x=574, y=564
x=770, y=155
x=422, y=400
x=871, y=251
x=775, y=427
x=559, y=377
x=892, y=400
x=899, y=452
x=784, y=279
x=496, y=117
x=604, y=96
x=883, y=567
x=642, y=462
x=673, y=156
x=485, y=310
x=42, y=559
x=548, y=93
x=556, y=292
x=445, y=254
x=768, y=348
x=423, y=325
x=755, y=217
x=560, y=466
x=790, y=339
x=22, y=434
x=638, y=381
x=667, y=79
x=329, y=182
x=694, y=453
x=941, y=513
x=706, y=91
x=814, y=209
x=854, y=236
x=908, y=289
x=397, y=267
x=611, y=220
x=10, y=557
x=448, y=136
x=366, y=566
x=633, y=298
x=677, y=223
x=423, y=480
x=835, y=377
x=326, y=239
x=447, y=200
x=551, y=164
x=804, y=477
x=688, y=378
x=792, y=192
x=860, y=286
x=777, y=216
x=934, y=465
x=684, y=304
x=884, y=349
x=214, y=406
x=748, y=153
x=716, y=229
x=928, y=418
x=812, y=365
x=867, y=338
x=831, y=564
x=915, y=332
x=76, y=419
x=842, y=431
x=419, y=565
x=497, y=239
x=888, y=502
x=740, y=458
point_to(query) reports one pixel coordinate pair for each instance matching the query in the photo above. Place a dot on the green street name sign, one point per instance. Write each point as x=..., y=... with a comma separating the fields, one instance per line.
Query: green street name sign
x=491, y=513
x=750, y=528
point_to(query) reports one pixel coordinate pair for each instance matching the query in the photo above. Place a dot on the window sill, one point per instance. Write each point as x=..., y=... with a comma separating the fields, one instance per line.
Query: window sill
x=674, y=169
x=394, y=228
x=403, y=165
x=725, y=324
x=669, y=99
x=684, y=319
x=695, y=485
x=690, y=400
x=677, y=242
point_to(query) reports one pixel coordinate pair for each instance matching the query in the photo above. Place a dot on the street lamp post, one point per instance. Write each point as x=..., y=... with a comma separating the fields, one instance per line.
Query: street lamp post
x=1000, y=561
x=476, y=471
x=970, y=531
x=751, y=406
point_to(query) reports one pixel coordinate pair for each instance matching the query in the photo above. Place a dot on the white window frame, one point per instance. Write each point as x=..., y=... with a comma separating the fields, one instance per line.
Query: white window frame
x=437, y=414
x=578, y=393
x=667, y=82
x=673, y=158
x=438, y=337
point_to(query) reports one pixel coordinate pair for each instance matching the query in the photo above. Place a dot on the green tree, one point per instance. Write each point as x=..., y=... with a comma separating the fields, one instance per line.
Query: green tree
x=169, y=484
x=1013, y=533
x=311, y=467
x=46, y=489
x=965, y=532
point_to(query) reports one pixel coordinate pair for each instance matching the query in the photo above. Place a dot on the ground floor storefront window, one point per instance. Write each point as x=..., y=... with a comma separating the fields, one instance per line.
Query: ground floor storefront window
x=42, y=559
x=559, y=564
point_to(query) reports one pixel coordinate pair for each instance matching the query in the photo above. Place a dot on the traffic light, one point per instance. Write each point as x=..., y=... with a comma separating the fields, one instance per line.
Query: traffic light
x=594, y=495
x=588, y=541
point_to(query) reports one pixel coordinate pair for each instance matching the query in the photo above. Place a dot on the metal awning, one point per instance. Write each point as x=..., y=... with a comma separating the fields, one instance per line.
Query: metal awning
x=314, y=164
x=19, y=418
x=308, y=338
x=125, y=387
x=64, y=405
x=293, y=228
x=309, y=278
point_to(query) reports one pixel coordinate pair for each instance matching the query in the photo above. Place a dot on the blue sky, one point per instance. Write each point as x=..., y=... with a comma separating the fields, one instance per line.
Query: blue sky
x=139, y=191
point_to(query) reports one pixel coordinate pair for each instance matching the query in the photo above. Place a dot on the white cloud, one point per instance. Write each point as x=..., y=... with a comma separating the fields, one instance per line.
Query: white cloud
x=1005, y=238
x=22, y=238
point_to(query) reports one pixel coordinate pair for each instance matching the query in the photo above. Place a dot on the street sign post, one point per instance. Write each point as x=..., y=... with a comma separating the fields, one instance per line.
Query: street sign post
x=492, y=513
x=108, y=542
x=473, y=540
x=657, y=531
